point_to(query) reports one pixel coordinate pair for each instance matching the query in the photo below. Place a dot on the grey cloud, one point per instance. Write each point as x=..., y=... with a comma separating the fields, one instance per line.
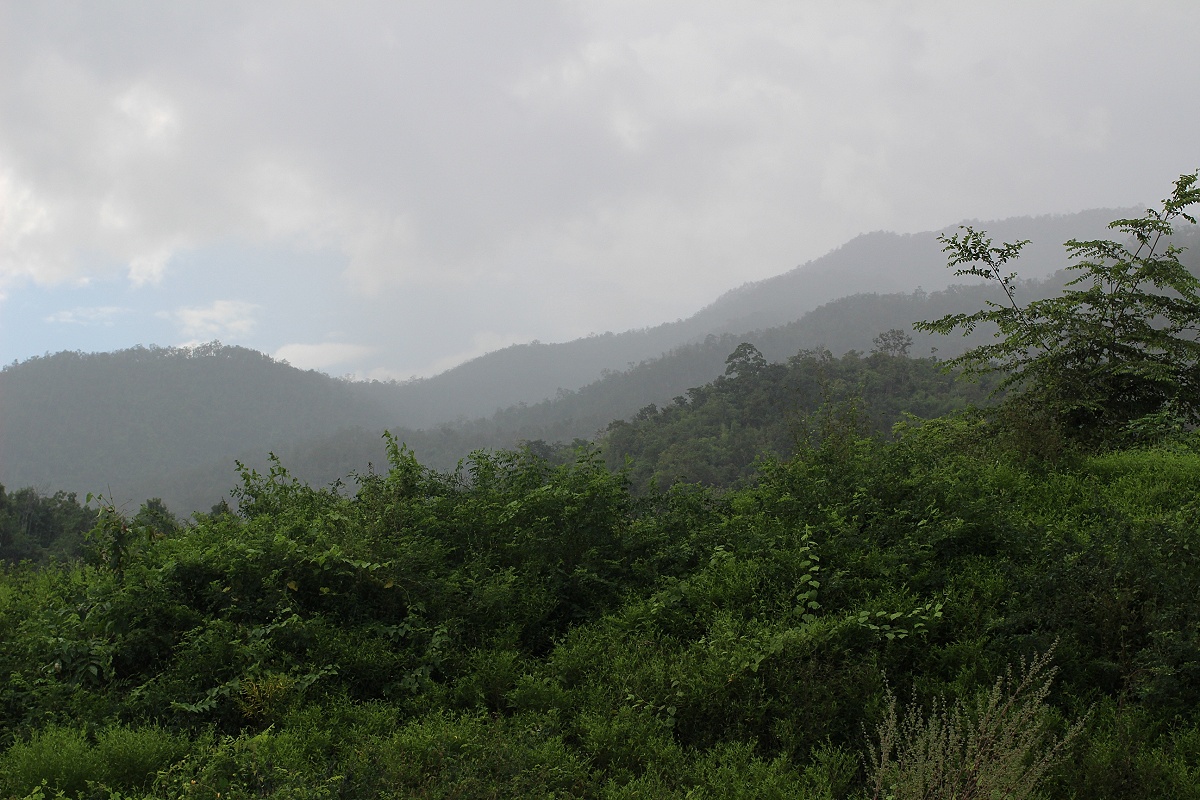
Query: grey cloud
x=587, y=166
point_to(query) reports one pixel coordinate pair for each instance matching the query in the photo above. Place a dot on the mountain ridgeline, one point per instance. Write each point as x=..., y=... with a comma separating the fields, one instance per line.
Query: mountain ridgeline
x=874, y=263
x=170, y=422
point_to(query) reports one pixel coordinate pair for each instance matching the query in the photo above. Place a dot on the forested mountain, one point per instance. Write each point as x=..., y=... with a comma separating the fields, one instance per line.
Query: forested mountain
x=883, y=262
x=161, y=422
x=115, y=423
x=718, y=433
x=844, y=325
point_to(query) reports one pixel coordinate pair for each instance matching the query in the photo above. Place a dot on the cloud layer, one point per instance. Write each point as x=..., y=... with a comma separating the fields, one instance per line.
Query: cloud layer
x=394, y=183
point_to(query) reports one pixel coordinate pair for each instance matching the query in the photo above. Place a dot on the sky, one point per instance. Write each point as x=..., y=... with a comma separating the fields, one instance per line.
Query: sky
x=386, y=189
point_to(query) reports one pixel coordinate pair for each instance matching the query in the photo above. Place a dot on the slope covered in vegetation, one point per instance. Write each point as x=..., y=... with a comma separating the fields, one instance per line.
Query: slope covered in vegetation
x=880, y=262
x=169, y=422
x=756, y=410
x=117, y=422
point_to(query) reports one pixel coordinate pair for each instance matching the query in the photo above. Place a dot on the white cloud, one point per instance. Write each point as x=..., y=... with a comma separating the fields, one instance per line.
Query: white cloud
x=149, y=266
x=223, y=319
x=321, y=356
x=93, y=315
x=24, y=218
x=152, y=114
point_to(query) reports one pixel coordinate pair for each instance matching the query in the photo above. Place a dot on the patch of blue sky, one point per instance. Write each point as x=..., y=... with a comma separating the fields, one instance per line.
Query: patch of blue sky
x=254, y=296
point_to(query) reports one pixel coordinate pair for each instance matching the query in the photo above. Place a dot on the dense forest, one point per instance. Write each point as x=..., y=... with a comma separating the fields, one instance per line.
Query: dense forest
x=718, y=432
x=714, y=435
x=779, y=585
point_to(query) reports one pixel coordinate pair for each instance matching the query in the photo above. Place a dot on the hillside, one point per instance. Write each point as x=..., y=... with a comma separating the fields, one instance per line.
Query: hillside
x=719, y=432
x=115, y=423
x=884, y=263
x=993, y=602
x=169, y=423
x=520, y=629
x=841, y=326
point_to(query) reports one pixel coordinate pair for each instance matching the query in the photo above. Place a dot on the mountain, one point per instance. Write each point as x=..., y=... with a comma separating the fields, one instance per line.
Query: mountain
x=116, y=423
x=884, y=263
x=324, y=429
x=150, y=422
x=719, y=433
x=878, y=262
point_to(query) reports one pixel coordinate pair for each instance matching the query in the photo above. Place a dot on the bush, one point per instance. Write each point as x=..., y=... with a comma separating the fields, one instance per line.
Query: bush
x=473, y=756
x=62, y=759
x=132, y=757
x=1000, y=746
x=59, y=757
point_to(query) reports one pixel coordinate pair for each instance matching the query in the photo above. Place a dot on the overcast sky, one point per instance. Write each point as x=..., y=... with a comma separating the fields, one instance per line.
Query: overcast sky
x=387, y=189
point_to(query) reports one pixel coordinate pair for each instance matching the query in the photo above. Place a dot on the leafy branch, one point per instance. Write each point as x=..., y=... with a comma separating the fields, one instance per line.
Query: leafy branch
x=1118, y=344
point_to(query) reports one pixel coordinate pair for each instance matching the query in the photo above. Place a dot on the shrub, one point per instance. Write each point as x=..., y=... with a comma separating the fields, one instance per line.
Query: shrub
x=59, y=757
x=1118, y=345
x=998, y=746
x=132, y=757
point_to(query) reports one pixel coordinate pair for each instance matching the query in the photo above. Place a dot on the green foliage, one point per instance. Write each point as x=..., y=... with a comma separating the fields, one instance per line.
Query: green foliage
x=60, y=756
x=475, y=756
x=1120, y=346
x=1109, y=761
x=892, y=342
x=112, y=539
x=65, y=759
x=718, y=433
x=37, y=528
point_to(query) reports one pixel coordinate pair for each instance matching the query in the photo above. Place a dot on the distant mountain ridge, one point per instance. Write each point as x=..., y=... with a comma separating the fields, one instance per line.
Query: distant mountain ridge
x=879, y=262
x=118, y=422
x=882, y=262
x=166, y=422
x=169, y=422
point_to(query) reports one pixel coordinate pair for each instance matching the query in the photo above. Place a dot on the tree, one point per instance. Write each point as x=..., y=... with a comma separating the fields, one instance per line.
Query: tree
x=1118, y=345
x=892, y=342
x=744, y=361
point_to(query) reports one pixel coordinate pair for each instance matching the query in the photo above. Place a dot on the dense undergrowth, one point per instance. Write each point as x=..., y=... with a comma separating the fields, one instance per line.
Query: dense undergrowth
x=520, y=628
